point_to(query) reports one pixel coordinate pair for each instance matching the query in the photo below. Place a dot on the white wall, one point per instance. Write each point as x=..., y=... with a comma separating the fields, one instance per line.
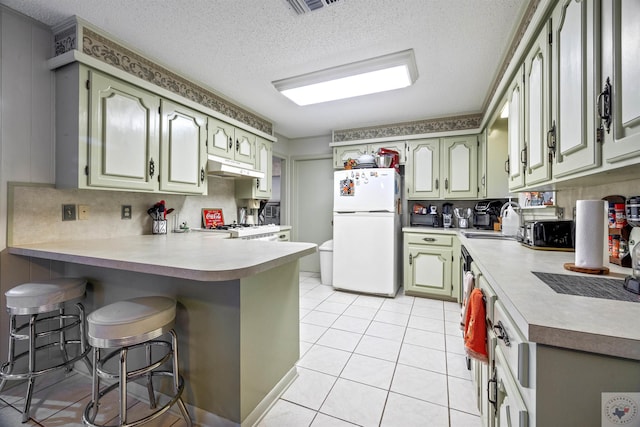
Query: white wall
x=27, y=114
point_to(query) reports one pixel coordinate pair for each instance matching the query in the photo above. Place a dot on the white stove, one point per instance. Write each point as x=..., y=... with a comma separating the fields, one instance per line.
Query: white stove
x=267, y=232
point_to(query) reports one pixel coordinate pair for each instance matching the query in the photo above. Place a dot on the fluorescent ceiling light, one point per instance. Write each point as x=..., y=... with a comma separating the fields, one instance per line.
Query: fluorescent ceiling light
x=380, y=74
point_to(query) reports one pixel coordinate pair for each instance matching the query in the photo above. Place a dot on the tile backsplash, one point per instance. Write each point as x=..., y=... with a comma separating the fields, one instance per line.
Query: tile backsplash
x=35, y=211
x=567, y=198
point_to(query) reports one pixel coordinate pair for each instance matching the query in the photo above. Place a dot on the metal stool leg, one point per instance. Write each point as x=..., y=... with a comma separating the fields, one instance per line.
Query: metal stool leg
x=176, y=378
x=12, y=350
x=32, y=367
x=62, y=339
x=83, y=337
x=152, y=396
x=123, y=386
x=95, y=385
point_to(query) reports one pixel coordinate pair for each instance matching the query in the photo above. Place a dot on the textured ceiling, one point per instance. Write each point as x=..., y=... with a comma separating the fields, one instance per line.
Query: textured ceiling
x=238, y=47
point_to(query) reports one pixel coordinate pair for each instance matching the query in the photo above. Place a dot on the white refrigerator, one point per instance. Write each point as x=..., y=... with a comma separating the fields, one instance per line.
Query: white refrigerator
x=367, y=231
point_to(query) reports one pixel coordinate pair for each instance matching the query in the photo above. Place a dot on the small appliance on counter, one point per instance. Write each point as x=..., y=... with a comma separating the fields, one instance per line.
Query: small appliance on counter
x=463, y=216
x=447, y=215
x=486, y=213
x=425, y=216
x=387, y=158
x=548, y=234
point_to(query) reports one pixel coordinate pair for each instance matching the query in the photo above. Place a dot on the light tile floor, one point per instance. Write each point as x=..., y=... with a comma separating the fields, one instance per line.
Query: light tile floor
x=374, y=361
x=364, y=360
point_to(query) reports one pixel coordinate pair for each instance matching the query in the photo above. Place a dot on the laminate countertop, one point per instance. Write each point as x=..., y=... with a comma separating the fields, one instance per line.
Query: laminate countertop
x=194, y=256
x=543, y=316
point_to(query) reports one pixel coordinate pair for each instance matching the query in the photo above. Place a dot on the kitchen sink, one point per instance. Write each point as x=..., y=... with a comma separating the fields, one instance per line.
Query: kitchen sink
x=486, y=235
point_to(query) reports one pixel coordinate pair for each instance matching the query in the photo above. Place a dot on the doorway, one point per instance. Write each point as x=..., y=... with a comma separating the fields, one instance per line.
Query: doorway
x=312, y=205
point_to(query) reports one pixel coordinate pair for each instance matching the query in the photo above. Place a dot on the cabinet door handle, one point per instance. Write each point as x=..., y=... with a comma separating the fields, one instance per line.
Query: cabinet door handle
x=501, y=333
x=152, y=168
x=437, y=184
x=237, y=145
x=551, y=141
x=492, y=392
x=482, y=180
x=257, y=183
x=410, y=259
x=230, y=143
x=446, y=183
x=523, y=156
x=202, y=175
x=604, y=106
x=506, y=166
x=429, y=239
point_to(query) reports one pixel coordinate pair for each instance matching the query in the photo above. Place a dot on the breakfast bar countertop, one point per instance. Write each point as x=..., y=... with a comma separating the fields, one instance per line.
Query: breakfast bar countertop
x=195, y=256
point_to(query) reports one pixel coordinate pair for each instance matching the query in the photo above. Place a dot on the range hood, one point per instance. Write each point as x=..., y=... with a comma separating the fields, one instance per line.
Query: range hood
x=219, y=166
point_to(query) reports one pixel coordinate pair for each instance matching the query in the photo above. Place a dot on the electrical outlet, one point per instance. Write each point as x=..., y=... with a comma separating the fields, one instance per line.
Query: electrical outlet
x=83, y=212
x=68, y=212
x=125, y=212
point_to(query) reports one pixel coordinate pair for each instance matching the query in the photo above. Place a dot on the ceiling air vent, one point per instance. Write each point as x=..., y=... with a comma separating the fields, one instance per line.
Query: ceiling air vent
x=304, y=6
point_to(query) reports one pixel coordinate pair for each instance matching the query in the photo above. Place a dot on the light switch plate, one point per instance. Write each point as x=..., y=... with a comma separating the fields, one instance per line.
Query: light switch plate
x=68, y=212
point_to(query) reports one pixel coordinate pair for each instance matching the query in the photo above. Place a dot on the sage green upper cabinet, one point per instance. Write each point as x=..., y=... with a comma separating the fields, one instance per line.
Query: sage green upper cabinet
x=620, y=65
x=258, y=188
x=229, y=142
x=245, y=147
x=123, y=135
x=442, y=168
x=536, y=111
x=346, y=152
x=221, y=138
x=183, y=153
x=107, y=132
x=460, y=167
x=516, y=145
x=574, y=77
x=422, y=172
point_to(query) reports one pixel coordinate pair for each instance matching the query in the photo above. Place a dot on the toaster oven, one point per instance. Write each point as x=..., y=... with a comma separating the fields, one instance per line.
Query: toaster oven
x=559, y=234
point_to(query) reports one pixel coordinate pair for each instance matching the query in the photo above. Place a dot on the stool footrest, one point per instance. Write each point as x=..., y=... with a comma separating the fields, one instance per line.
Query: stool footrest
x=10, y=376
x=138, y=372
x=87, y=417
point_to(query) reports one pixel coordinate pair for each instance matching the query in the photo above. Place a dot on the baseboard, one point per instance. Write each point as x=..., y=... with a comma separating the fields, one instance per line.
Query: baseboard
x=270, y=399
x=203, y=418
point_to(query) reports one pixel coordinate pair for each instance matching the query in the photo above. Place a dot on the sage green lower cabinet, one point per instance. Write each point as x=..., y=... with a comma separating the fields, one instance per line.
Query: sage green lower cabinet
x=284, y=236
x=526, y=384
x=428, y=265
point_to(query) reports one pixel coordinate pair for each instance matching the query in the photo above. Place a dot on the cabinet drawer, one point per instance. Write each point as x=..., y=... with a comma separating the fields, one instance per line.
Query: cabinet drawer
x=512, y=343
x=511, y=410
x=429, y=239
x=490, y=296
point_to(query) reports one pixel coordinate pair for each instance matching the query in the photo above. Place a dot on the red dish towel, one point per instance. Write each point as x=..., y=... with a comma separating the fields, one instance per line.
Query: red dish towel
x=475, y=329
x=467, y=285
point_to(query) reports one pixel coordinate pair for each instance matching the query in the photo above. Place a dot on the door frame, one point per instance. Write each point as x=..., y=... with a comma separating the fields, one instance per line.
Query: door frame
x=295, y=164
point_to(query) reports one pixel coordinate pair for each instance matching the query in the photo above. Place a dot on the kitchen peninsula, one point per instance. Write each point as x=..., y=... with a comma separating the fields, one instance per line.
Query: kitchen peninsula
x=237, y=319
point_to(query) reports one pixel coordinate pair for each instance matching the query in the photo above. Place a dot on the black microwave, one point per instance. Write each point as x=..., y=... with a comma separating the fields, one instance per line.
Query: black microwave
x=548, y=234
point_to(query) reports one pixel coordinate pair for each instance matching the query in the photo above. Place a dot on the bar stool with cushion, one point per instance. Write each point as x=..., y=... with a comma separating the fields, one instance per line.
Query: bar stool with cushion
x=132, y=326
x=49, y=326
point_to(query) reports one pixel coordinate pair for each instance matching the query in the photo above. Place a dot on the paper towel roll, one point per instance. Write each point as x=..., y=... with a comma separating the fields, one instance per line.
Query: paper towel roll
x=590, y=228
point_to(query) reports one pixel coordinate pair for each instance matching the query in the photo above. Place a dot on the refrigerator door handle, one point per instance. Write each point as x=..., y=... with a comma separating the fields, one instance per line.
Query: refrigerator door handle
x=345, y=212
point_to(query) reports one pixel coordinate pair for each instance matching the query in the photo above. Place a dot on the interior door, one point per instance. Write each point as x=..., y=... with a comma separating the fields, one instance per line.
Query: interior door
x=312, y=205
